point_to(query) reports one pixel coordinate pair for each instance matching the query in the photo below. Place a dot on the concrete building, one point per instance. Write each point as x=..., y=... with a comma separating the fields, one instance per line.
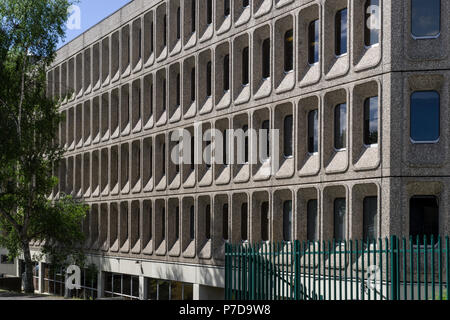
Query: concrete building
x=359, y=91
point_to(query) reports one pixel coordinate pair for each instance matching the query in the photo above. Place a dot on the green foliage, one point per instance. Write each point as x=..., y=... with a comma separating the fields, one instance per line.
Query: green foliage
x=29, y=122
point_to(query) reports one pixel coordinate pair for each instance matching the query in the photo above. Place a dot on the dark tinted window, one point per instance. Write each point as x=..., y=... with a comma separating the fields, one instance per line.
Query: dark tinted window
x=226, y=8
x=266, y=58
x=165, y=31
x=193, y=84
x=245, y=3
x=244, y=221
x=193, y=15
x=370, y=223
x=424, y=217
x=339, y=219
x=313, y=131
x=178, y=23
x=288, y=51
x=178, y=89
x=287, y=139
x=372, y=18
x=208, y=11
x=246, y=145
x=313, y=42
x=226, y=73
x=265, y=221
x=225, y=222
x=163, y=223
x=208, y=79
x=192, y=223
x=208, y=222
x=425, y=109
x=340, y=126
x=312, y=221
x=371, y=121
x=177, y=223
x=341, y=32
x=287, y=220
x=265, y=127
x=164, y=94
x=245, y=66
x=425, y=18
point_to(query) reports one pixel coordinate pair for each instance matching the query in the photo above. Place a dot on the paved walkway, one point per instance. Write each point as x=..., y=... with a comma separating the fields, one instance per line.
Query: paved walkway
x=6, y=295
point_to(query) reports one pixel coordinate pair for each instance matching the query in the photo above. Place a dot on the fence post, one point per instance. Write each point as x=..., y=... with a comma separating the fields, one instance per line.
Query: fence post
x=394, y=266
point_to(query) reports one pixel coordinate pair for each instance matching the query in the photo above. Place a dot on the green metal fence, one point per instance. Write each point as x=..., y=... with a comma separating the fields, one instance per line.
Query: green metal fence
x=385, y=269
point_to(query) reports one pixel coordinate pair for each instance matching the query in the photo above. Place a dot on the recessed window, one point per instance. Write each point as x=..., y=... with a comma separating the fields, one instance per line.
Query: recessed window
x=192, y=222
x=192, y=153
x=140, y=43
x=372, y=21
x=208, y=222
x=165, y=31
x=177, y=223
x=370, y=221
x=224, y=147
x=208, y=156
x=151, y=38
x=178, y=23
x=244, y=221
x=178, y=89
x=425, y=114
x=371, y=121
x=288, y=51
x=339, y=219
x=226, y=8
x=226, y=73
x=193, y=15
x=266, y=58
x=287, y=136
x=313, y=42
x=340, y=126
x=163, y=151
x=164, y=94
x=246, y=145
x=341, y=32
x=245, y=67
x=225, y=222
x=265, y=221
x=163, y=223
x=177, y=166
x=312, y=221
x=313, y=131
x=245, y=3
x=208, y=11
x=208, y=79
x=265, y=127
x=425, y=18
x=424, y=217
x=193, y=84
x=287, y=220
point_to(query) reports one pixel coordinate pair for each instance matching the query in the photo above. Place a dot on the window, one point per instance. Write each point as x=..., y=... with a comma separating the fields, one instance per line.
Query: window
x=226, y=73
x=140, y=43
x=340, y=126
x=226, y=8
x=225, y=222
x=266, y=58
x=287, y=138
x=371, y=121
x=313, y=131
x=425, y=114
x=224, y=146
x=192, y=153
x=341, y=32
x=163, y=150
x=208, y=11
x=245, y=3
x=193, y=84
x=424, y=217
x=313, y=42
x=265, y=221
x=265, y=127
x=371, y=30
x=208, y=159
x=163, y=223
x=178, y=23
x=425, y=18
x=312, y=221
x=244, y=221
x=178, y=90
x=177, y=223
x=192, y=223
x=208, y=79
x=288, y=51
x=177, y=166
x=151, y=37
x=165, y=31
x=246, y=150
x=164, y=107
x=339, y=219
x=208, y=222
x=287, y=220
x=245, y=67
x=193, y=14
x=370, y=223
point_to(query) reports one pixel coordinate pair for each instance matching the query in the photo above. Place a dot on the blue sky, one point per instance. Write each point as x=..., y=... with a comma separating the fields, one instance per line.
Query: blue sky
x=92, y=12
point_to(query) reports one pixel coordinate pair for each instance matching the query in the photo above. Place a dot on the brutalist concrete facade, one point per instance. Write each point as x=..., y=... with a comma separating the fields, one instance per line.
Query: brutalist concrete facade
x=119, y=82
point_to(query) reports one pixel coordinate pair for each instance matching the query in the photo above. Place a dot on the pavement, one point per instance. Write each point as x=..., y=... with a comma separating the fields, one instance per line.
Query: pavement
x=7, y=295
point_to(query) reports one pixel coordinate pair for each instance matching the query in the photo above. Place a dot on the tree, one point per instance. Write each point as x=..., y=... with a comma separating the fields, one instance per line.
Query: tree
x=29, y=121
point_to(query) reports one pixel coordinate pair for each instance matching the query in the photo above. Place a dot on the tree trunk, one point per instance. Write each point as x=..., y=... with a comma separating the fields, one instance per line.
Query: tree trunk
x=28, y=279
